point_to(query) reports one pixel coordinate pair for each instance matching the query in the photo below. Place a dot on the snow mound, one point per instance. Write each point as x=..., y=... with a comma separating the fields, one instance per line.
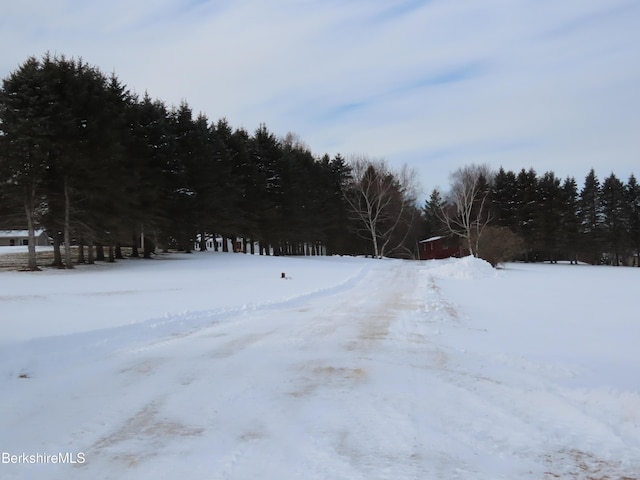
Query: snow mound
x=464, y=268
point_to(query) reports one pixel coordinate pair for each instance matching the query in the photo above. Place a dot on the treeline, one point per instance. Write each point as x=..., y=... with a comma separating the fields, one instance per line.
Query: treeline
x=97, y=166
x=555, y=219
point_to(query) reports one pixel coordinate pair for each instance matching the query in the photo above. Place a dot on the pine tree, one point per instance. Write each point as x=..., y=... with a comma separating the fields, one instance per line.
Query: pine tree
x=182, y=211
x=549, y=215
x=201, y=172
x=266, y=177
x=432, y=215
x=504, y=195
x=24, y=140
x=614, y=222
x=226, y=190
x=632, y=214
x=245, y=222
x=569, y=229
x=339, y=233
x=526, y=206
x=590, y=215
x=151, y=153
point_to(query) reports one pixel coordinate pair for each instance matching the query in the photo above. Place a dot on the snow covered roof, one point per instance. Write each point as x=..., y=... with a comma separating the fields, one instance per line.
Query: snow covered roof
x=18, y=233
x=432, y=239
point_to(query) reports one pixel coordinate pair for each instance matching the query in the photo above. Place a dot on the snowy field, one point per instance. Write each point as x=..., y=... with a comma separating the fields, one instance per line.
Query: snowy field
x=210, y=366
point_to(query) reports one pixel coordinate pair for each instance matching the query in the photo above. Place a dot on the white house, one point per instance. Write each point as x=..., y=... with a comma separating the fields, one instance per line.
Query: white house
x=14, y=238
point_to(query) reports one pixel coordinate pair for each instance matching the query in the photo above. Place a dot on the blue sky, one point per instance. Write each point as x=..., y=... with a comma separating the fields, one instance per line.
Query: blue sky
x=436, y=84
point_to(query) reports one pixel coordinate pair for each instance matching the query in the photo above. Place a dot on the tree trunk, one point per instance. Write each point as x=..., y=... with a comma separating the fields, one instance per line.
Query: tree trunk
x=81, y=252
x=67, y=228
x=374, y=241
x=57, y=257
x=99, y=252
x=29, y=209
x=90, y=255
x=203, y=241
x=134, y=249
x=470, y=245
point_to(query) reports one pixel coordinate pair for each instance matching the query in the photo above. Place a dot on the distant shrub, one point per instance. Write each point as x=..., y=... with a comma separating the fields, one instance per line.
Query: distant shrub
x=499, y=244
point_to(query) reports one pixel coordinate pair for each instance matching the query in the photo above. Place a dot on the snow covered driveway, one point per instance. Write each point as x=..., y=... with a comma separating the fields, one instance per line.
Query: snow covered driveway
x=399, y=373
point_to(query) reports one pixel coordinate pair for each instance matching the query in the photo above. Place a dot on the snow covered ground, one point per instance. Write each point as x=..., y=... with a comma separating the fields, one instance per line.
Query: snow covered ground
x=210, y=366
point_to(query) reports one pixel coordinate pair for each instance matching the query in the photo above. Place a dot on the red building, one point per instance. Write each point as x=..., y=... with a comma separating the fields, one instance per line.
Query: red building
x=441, y=247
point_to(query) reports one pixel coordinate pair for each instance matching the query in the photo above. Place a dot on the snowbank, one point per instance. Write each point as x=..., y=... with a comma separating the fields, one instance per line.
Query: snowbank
x=462, y=268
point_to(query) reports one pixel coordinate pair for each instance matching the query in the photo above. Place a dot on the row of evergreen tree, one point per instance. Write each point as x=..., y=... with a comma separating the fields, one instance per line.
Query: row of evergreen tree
x=597, y=223
x=93, y=164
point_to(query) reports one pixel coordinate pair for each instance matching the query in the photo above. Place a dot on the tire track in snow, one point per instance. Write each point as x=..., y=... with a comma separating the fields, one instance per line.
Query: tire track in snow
x=377, y=437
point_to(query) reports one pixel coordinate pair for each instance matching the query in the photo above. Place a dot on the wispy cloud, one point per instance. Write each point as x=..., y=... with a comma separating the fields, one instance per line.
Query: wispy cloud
x=594, y=17
x=341, y=111
x=452, y=75
x=398, y=9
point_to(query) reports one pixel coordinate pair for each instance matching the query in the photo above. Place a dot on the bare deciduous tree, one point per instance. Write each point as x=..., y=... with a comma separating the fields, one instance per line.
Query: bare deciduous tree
x=381, y=201
x=466, y=210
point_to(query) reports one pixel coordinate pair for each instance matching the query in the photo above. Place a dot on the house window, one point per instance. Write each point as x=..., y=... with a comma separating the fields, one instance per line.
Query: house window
x=12, y=242
x=25, y=241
